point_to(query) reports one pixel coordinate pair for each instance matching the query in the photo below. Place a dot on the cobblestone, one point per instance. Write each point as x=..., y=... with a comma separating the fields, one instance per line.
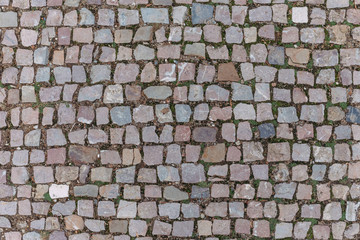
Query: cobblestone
x=138, y=119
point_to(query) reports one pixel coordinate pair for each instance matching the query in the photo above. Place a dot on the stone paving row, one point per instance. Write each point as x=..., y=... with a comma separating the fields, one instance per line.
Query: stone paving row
x=162, y=119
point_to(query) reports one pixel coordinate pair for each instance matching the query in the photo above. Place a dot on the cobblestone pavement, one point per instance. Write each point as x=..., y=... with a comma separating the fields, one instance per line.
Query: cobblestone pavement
x=162, y=119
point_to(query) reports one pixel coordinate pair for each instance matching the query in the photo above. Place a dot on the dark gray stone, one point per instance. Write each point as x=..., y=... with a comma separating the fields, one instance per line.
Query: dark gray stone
x=201, y=13
x=353, y=115
x=121, y=115
x=204, y=134
x=200, y=192
x=267, y=130
x=276, y=55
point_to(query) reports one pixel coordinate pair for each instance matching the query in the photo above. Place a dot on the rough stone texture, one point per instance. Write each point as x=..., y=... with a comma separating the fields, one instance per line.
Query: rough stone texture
x=179, y=119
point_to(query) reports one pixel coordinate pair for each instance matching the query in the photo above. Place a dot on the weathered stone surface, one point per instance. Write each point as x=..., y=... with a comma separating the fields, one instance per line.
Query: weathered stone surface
x=201, y=13
x=285, y=190
x=155, y=15
x=192, y=173
x=138, y=119
x=82, y=155
x=204, y=134
x=158, y=92
x=120, y=115
x=8, y=19
x=227, y=72
x=174, y=194
x=325, y=58
x=214, y=153
x=312, y=113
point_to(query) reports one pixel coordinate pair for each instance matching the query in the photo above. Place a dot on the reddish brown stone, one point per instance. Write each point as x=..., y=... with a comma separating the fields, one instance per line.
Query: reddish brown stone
x=227, y=72
x=82, y=155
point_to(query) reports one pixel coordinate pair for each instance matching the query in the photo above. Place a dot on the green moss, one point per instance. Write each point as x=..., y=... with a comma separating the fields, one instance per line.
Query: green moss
x=279, y=200
x=349, y=24
x=117, y=200
x=278, y=29
x=186, y=201
x=272, y=181
x=37, y=87
x=256, y=183
x=275, y=123
x=310, y=64
x=232, y=192
x=47, y=197
x=41, y=109
x=236, y=122
x=253, y=122
x=185, y=83
x=343, y=105
x=313, y=182
x=329, y=104
x=344, y=180
x=99, y=183
x=330, y=144
x=204, y=184
x=293, y=164
x=273, y=223
x=337, y=68
x=206, y=165
x=312, y=220
x=42, y=24
x=289, y=45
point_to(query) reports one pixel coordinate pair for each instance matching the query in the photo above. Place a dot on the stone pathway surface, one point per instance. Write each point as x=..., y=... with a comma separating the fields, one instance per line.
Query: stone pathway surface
x=179, y=119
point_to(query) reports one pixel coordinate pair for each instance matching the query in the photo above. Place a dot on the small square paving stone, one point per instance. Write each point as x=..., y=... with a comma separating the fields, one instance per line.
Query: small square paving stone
x=171, y=210
x=321, y=231
x=19, y=175
x=201, y=13
x=300, y=14
x=183, y=228
x=260, y=14
x=261, y=228
x=155, y=15
x=161, y=228
x=8, y=19
x=283, y=230
x=120, y=115
x=153, y=155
